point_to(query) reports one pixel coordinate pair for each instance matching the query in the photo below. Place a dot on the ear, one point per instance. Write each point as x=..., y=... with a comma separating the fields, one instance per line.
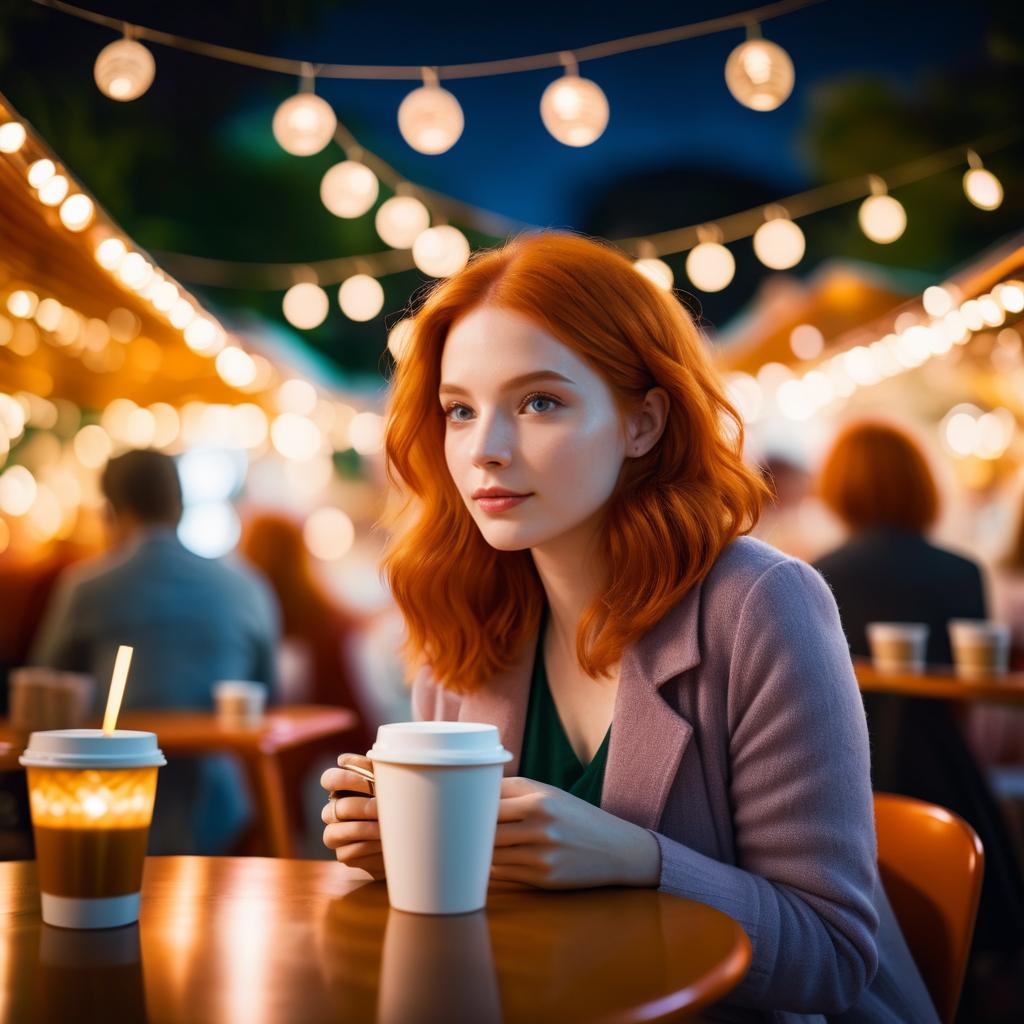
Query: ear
x=646, y=425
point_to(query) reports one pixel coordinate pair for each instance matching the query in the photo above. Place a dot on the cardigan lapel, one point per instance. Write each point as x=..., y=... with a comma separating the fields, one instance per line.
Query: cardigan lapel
x=649, y=737
x=503, y=702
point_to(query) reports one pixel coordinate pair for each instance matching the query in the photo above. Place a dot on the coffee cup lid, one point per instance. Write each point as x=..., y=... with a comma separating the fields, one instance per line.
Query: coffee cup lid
x=439, y=743
x=90, y=748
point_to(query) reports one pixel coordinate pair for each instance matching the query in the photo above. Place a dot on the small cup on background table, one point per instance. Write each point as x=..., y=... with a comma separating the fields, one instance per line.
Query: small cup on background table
x=239, y=702
x=898, y=646
x=981, y=649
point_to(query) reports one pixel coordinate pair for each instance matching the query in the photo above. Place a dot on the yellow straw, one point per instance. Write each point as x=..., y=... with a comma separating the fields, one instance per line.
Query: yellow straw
x=120, y=677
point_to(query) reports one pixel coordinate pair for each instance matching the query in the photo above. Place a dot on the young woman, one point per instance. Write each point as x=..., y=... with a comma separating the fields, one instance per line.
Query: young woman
x=679, y=698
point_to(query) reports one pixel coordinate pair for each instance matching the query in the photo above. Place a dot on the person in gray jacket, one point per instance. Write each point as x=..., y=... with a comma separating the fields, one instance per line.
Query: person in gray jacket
x=191, y=620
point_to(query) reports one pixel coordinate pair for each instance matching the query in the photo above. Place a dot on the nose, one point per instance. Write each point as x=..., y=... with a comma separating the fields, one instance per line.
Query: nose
x=492, y=445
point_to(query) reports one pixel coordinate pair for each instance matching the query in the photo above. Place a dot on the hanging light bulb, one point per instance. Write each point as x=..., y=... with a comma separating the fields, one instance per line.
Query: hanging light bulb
x=12, y=137
x=982, y=187
x=305, y=305
x=40, y=172
x=399, y=337
x=349, y=189
x=881, y=217
x=400, y=220
x=758, y=73
x=430, y=118
x=53, y=190
x=76, y=212
x=656, y=271
x=574, y=110
x=303, y=124
x=124, y=70
x=709, y=265
x=361, y=297
x=440, y=251
x=778, y=242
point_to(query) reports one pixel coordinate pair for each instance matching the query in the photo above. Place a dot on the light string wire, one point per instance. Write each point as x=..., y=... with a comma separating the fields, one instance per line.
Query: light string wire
x=408, y=72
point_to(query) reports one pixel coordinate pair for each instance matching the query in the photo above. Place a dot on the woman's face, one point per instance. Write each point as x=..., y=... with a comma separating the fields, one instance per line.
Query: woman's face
x=525, y=414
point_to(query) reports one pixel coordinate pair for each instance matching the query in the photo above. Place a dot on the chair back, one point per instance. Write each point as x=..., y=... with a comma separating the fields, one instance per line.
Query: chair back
x=932, y=864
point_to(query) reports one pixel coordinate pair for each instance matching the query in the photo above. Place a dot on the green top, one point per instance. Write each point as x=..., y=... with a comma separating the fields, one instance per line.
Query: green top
x=547, y=753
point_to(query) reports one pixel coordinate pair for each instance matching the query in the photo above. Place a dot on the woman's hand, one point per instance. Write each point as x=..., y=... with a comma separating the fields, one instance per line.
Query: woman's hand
x=352, y=831
x=553, y=840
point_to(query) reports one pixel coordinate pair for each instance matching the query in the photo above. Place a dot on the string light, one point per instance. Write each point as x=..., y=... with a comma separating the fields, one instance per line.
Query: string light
x=982, y=187
x=235, y=366
x=40, y=172
x=881, y=217
x=430, y=118
x=710, y=266
x=12, y=137
x=400, y=220
x=779, y=243
x=305, y=305
x=441, y=251
x=399, y=337
x=124, y=70
x=76, y=212
x=759, y=73
x=656, y=271
x=361, y=297
x=329, y=534
x=303, y=124
x=349, y=189
x=53, y=190
x=574, y=110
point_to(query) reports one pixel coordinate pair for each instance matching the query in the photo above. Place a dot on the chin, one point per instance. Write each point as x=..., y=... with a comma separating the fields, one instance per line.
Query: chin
x=507, y=536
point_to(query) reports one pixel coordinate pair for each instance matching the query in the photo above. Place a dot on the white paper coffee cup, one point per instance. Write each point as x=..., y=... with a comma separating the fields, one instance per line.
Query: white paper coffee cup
x=438, y=785
x=898, y=646
x=981, y=649
x=239, y=702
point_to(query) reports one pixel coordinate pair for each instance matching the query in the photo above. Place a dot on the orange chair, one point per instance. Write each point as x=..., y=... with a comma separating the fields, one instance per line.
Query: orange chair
x=932, y=863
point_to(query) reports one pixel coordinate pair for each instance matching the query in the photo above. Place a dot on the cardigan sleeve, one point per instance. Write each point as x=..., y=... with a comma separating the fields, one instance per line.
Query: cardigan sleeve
x=802, y=806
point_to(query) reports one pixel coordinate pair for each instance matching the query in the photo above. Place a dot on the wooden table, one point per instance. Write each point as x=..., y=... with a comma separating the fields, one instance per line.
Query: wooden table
x=942, y=682
x=261, y=748
x=260, y=941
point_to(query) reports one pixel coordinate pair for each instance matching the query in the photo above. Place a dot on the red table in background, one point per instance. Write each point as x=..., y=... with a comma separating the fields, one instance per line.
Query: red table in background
x=261, y=748
x=941, y=682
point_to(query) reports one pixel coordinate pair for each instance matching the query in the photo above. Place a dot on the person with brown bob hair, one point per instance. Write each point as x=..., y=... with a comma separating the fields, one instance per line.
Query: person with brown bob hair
x=572, y=566
x=876, y=479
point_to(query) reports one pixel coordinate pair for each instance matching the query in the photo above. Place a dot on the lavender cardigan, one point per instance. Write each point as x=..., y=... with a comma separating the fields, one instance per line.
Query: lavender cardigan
x=738, y=739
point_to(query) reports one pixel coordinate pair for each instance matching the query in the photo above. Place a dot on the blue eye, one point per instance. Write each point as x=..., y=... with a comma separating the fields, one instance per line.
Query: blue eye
x=532, y=400
x=452, y=409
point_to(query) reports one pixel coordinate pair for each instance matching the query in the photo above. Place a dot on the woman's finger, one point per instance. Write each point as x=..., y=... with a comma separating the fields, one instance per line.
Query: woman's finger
x=350, y=832
x=355, y=853
x=517, y=833
x=338, y=778
x=349, y=808
x=515, y=808
x=522, y=856
x=523, y=875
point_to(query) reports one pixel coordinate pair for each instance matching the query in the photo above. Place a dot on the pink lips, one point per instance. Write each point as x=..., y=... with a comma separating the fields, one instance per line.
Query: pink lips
x=501, y=503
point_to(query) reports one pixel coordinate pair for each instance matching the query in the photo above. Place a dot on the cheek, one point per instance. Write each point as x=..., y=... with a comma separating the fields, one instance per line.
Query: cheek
x=580, y=464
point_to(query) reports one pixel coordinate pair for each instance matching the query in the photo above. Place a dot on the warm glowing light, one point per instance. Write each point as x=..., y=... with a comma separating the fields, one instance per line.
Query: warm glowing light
x=22, y=304
x=657, y=271
x=806, y=341
x=430, y=119
x=40, y=172
x=400, y=220
x=92, y=446
x=936, y=301
x=166, y=424
x=13, y=417
x=983, y=189
x=710, y=266
x=201, y=335
x=779, y=243
x=53, y=190
x=297, y=396
x=124, y=70
x=882, y=218
x=349, y=189
x=399, y=337
x=305, y=305
x=366, y=433
x=48, y=314
x=17, y=491
x=295, y=437
x=248, y=425
x=235, y=366
x=165, y=295
x=134, y=270
x=441, y=251
x=329, y=534
x=12, y=137
x=77, y=212
x=995, y=431
x=574, y=110
x=304, y=124
x=181, y=314
x=1010, y=296
x=110, y=252
x=991, y=312
x=745, y=394
x=961, y=432
x=361, y=297
x=759, y=74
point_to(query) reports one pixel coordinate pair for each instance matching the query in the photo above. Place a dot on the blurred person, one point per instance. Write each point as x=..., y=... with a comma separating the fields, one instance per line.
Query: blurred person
x=793, y=519
x=876, y=479
x=572, y=568
x=191, y=621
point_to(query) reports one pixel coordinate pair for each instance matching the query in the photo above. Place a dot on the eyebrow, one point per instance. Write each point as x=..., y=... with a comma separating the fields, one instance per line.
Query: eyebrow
x=515, y=382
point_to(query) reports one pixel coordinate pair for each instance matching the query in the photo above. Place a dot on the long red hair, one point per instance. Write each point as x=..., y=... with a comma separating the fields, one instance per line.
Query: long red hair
x=469, y=608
